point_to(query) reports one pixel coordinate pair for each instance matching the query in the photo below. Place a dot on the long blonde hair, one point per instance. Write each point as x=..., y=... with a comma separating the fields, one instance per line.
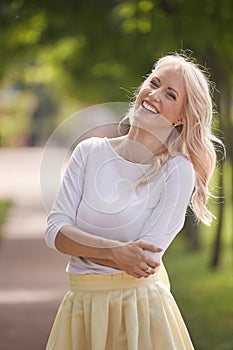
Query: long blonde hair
x=196, y=139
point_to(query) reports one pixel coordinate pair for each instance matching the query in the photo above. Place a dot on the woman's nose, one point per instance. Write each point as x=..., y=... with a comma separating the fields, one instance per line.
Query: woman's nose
x=155, y=94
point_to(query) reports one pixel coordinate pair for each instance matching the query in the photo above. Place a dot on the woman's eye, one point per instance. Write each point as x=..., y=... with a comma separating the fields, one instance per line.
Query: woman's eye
x=171, y=95
x=154, y=83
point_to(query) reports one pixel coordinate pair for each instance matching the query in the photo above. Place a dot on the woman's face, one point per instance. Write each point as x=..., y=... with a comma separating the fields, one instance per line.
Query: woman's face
x=162, y=93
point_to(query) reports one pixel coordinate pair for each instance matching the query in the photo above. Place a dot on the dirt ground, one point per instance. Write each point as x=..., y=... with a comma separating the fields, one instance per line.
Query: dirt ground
x=32, y=276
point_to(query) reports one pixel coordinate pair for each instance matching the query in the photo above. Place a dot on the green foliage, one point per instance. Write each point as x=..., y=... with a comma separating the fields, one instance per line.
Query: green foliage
x=15, y=111
x=89, y=49
x=4, y=207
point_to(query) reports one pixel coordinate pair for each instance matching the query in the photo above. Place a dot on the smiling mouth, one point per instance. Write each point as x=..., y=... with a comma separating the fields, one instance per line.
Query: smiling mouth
x=149, y=107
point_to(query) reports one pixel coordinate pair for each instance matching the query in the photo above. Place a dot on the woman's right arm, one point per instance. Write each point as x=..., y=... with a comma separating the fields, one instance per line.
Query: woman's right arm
x=129, y=257
x=63, y=235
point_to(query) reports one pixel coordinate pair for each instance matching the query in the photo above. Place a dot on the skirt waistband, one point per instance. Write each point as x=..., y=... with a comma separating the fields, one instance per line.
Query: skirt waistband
x=90, y=282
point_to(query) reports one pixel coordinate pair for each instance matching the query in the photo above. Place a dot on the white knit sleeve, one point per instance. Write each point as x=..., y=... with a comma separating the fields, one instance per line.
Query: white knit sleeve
x=65, y=206
x=168, y=217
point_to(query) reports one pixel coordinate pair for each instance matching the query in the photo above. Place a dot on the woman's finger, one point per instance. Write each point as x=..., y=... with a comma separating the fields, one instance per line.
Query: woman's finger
x=153, y=263
x=146, y=271
x=148, y=246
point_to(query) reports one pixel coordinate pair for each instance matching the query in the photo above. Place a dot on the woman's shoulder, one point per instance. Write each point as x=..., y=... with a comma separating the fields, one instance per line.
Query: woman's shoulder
x=96, y=142
x=180, y=159
x=96, y=147
x=182, y=164
x=87, y=144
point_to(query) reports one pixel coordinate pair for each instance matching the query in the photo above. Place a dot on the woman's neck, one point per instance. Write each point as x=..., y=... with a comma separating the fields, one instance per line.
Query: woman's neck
x=139, y=146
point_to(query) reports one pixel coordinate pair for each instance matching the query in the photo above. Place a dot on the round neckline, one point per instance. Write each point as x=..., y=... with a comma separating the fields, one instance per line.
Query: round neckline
x=123, y=159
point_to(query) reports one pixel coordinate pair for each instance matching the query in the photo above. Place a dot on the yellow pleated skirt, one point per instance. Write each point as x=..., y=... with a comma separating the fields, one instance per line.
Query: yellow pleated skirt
x=119, y=312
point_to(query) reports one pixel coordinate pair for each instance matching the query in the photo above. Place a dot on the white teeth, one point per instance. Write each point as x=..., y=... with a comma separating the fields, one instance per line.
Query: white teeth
x=149, y=107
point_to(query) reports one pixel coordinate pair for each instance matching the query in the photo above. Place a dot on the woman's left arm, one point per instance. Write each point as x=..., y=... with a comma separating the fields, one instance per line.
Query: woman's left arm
x=168, y=217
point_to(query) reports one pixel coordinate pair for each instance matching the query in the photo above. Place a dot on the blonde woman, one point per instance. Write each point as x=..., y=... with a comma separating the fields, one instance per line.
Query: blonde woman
x=121, y=203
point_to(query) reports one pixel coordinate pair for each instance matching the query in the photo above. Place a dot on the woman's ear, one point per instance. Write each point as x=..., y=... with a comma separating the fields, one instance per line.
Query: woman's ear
x=178, y=123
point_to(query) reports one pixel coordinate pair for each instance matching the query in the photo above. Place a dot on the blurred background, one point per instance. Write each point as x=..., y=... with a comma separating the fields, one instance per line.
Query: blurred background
x=59, y=57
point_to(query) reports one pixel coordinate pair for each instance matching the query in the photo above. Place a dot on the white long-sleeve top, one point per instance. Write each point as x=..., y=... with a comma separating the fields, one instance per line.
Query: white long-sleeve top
x=98, y=196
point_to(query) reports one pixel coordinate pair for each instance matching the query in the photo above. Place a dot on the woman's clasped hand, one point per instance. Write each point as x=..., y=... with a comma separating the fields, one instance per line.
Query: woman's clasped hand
x=131, y=258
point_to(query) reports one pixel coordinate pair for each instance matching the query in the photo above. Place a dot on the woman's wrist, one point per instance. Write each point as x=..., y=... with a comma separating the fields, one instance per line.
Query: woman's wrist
x=109, y=253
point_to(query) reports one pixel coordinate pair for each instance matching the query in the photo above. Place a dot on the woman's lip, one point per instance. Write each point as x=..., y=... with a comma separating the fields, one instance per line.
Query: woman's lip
x=149, y=107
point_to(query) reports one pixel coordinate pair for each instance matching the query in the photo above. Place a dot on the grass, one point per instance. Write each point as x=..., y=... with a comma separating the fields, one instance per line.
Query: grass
x=4, y=207
x=204, y=295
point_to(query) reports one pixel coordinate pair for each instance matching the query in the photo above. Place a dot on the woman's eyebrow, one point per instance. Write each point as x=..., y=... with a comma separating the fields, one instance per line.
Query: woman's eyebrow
x=154, y=77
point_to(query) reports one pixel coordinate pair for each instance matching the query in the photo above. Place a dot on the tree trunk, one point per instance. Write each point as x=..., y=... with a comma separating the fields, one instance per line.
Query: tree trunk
x=191, y=232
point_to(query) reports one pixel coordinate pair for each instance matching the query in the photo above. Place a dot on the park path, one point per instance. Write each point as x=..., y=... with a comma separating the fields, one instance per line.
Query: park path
x=32, y=276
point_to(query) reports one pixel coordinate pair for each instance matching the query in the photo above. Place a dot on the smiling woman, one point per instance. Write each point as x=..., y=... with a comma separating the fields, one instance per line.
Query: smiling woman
x=177, y=93
x=121, y=203
x=164, y=92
